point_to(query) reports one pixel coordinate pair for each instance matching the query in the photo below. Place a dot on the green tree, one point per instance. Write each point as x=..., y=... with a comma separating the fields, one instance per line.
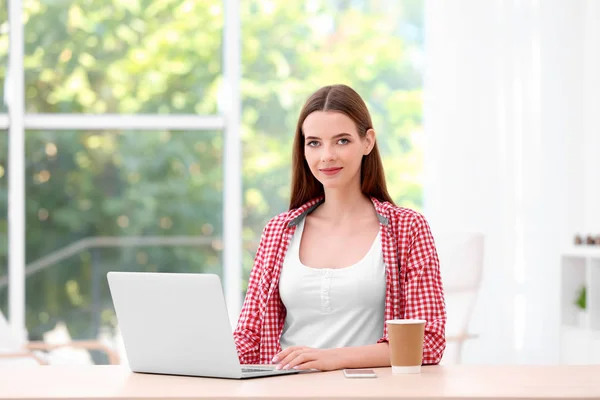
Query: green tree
x=164, y=56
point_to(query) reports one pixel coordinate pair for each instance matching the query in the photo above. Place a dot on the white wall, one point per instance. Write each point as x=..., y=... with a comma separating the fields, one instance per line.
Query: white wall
x=511, y=120
x=591, y=98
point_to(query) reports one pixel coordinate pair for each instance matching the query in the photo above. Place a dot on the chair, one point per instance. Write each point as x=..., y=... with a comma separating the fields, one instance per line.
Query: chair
x=461, y=265
x=11, y=347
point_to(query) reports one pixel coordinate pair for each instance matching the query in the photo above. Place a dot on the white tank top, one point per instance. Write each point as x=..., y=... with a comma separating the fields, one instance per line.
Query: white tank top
x=332, y=307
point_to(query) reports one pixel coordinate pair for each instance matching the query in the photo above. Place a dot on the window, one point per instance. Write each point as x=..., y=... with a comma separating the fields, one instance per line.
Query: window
x=3, y=50
x=97, y=56
x=129, y=199
x=3, y=220
x=115, y=200
x=290, y=49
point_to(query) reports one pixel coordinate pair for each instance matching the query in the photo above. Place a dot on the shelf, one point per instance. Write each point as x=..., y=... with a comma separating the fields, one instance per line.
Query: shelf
x=582, y=250
x=573, y=277
x=580, y=336
x=593, y=293
x=579, y=346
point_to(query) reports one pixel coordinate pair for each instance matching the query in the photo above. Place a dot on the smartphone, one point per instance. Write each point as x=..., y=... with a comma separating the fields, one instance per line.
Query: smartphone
x=359, y=373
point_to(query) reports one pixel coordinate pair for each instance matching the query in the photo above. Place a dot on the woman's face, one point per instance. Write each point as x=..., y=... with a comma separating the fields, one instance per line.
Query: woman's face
x=333, y=149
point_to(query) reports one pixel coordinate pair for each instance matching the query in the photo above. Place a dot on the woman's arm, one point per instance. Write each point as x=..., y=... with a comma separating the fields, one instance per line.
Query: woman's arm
x=299, y=357
x=248, y=330
x=421, y=290
x=371, y=356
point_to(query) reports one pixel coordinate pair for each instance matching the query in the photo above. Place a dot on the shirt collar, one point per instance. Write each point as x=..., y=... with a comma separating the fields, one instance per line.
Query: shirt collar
x=298, y=214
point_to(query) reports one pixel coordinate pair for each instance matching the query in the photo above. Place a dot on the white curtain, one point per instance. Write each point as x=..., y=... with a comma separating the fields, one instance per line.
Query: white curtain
x=512, y=125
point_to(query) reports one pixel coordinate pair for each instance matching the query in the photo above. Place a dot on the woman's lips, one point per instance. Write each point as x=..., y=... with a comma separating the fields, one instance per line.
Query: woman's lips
x=330, y=171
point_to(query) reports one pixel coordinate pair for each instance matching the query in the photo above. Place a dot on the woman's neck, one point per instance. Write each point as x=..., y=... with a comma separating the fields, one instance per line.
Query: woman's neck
x=341, y=205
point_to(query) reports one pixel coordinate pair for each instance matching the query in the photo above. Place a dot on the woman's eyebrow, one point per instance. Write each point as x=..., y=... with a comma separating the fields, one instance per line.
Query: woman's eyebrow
x=339, y=135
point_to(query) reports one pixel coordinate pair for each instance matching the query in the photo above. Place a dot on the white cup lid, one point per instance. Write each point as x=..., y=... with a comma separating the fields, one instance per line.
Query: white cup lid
x=406, y=321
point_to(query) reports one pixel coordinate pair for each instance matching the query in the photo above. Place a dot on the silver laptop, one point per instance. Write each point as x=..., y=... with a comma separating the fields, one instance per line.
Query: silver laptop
x=175, y=323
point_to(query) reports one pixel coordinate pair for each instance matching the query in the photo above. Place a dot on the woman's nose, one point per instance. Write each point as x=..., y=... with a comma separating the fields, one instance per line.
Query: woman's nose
x=328, y=154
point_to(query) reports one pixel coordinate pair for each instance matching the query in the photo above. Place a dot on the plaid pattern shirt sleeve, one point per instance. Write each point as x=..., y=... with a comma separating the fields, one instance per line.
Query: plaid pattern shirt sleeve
x=422, y=295
x=247, y=335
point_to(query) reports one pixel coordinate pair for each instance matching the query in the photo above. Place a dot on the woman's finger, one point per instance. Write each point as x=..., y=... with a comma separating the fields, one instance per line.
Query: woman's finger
x=301, y=359
x=314, y=364
x=283, y=354
x=288, y=359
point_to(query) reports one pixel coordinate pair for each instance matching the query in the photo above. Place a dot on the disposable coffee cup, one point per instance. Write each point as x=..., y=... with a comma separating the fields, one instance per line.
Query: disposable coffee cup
x=406, y=345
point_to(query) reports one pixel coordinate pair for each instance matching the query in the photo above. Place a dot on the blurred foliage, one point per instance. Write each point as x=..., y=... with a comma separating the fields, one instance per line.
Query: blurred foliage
x=164, y=56
x=581, y=300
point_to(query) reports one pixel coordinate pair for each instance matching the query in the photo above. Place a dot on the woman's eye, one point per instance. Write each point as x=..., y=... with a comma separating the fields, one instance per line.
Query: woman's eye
x=312, y=143
x=343, y=141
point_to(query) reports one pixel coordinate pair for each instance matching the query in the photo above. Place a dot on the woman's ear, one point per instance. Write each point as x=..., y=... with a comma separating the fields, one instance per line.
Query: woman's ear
x=369, y=141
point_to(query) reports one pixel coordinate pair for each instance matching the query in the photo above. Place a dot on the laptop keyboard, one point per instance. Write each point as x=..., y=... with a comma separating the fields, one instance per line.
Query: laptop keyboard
x=257, y=369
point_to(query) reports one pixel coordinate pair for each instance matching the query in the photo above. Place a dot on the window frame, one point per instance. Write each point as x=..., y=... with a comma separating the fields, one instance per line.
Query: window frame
x=228, y=120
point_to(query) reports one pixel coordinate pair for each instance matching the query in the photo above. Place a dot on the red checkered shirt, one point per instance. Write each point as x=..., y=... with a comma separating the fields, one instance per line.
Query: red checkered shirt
x=413, y=282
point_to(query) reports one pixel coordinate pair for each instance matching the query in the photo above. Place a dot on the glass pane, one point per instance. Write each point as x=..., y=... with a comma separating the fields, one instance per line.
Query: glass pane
x=290, y=49
x=113, y=56
x=105, y=201
x=3, y=220
x=3, y=50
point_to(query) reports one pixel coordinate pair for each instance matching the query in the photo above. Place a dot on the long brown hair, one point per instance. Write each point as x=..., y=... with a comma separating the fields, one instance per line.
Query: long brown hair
x=343, y=99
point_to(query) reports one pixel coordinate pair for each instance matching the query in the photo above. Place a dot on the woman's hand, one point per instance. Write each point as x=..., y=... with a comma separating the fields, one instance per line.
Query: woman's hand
x=299, y=357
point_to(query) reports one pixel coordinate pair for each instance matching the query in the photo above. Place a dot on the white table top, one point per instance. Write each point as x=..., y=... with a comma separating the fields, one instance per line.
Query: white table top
x=435, y=382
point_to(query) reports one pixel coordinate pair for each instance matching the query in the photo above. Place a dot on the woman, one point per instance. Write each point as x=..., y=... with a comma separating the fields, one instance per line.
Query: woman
x=344, y=258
